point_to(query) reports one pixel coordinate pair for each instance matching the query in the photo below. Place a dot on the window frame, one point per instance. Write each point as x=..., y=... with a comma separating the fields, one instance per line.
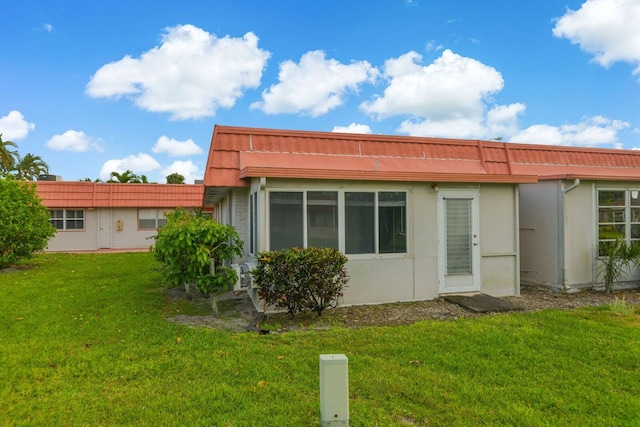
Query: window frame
x=66, y=219
x=626, y=209
x=341, y=217
x=158, y=211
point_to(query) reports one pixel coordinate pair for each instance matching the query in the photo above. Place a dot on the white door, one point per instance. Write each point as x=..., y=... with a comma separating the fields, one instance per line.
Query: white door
x=105, y=228
x=458, y=241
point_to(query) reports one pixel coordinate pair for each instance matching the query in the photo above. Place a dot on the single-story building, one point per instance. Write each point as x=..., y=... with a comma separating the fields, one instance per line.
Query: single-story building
x=91, y=216
x=584, y=197
x=416, y=217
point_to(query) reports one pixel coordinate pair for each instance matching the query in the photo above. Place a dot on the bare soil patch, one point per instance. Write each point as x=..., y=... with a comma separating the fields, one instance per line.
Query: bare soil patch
x=238, y=314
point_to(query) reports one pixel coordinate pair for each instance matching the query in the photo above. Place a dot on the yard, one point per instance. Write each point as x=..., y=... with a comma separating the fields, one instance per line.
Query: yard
x=84, y=339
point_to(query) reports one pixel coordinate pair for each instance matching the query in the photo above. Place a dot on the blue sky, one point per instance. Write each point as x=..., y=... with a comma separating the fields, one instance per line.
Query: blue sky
x=94, y=87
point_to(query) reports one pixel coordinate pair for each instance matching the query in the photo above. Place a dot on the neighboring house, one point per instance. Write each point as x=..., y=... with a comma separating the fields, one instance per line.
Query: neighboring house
x=92, y=216
x=585, y=196
x=416, y=217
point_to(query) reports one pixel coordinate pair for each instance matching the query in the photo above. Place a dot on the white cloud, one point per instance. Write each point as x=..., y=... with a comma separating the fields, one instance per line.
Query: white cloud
x=450, y=127
x=47, y=27
x=176, y=148
x=190, y=75
x=315, y=85
x=445, y=98
x=186, y=168
x=352, y=128
x=73, y=140
x=608, y=29
x=432, y=45
x=590, y=132
x=502, y=120
x=137, y=163
x=14, y=127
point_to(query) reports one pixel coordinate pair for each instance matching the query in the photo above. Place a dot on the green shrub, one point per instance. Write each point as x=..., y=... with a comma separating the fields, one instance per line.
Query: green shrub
x=187, y=245
x=24, y=222
x=616, y=256
x=300, y=279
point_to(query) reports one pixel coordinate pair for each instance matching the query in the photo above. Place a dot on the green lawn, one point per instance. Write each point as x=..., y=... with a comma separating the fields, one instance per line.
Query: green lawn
x=84, y=341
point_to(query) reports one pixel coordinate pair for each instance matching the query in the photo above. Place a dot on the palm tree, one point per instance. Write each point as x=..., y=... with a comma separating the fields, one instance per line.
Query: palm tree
x=124, y=177
x=8, y=157
x=30, y=167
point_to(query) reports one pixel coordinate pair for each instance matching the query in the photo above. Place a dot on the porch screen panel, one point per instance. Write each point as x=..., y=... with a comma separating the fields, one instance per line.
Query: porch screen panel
x=285, y=220
x=322, y=219
x=359, y=223
x=392, y=218
x=458, y=236
x=634, y=214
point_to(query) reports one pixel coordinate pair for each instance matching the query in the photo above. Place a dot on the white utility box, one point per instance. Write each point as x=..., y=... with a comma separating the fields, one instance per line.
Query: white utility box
x=334, y=390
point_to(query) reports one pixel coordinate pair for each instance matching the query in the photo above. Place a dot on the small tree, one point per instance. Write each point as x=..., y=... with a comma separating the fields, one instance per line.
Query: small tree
x=617, y=257
x=24, y=222
x=187, y=245
x=175, y=178
x=300, y=279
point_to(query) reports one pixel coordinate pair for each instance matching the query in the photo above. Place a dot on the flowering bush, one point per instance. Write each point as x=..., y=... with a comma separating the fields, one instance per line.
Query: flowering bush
x=301, y=279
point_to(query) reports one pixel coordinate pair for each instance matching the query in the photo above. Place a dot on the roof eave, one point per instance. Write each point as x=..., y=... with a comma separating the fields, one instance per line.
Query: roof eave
x=352, y=175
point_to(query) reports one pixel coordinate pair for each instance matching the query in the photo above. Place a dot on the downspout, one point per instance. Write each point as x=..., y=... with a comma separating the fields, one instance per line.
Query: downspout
x=562, y=233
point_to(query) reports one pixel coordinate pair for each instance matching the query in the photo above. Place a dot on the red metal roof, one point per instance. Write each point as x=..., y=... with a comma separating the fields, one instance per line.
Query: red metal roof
x=237, y=153
x=79, y=194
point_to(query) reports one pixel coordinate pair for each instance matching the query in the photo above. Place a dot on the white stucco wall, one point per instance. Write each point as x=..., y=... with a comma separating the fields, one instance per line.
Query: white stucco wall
x=499, y=248
x=412, y=276
x=580, y=228
x=539, y=233
x=100, y=232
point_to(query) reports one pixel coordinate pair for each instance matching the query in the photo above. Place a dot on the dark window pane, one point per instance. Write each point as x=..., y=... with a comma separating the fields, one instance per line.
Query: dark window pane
x=611, y=198
x=146, y=223
x=74, y=224
x=285, y=213
x=359, y=223
x=610, y=232
x=322, y=219
x=392, y=212
x=611, y=215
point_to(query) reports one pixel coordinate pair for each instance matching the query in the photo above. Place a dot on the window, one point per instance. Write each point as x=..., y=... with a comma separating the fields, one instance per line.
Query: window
x=618, y=215
x=151, y=219
x=359, y=209
x=286, y=216
x=67, y=219
x=322, y=219
x=374, y=222
x=253, y=223
x=392, y=214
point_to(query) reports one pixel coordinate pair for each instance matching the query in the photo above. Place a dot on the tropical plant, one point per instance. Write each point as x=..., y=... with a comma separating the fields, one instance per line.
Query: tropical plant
x=616, y=258
x=8, y=156
x=25, y=221
x=30, y=167
x=301, y=279
x=125, y=177
x=189, y=244
x=175, y=178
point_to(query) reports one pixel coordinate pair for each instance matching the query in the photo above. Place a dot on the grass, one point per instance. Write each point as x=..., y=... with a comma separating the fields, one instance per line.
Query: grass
x=84, y=341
